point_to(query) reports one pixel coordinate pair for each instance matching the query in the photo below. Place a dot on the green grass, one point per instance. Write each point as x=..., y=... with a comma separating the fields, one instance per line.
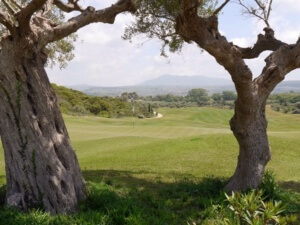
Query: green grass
x=186, y=201
x=185, y=142
x=140, y=164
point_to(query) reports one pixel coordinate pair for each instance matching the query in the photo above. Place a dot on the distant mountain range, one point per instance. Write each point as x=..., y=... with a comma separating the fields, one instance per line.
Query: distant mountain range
x=190, y=81
x=176, y=85
x=81, y=87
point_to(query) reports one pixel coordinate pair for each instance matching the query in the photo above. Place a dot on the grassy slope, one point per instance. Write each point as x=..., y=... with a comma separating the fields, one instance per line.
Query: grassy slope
x=185, y=142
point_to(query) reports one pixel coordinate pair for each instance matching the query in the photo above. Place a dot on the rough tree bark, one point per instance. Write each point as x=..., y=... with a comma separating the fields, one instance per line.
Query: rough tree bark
x=250, y=130
x=42, y=169
x=249, y=123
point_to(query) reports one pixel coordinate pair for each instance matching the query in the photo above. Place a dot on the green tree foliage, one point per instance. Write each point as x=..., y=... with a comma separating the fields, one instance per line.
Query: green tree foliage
x=217, y=97
x=195, y=97
x=229, y=95
x=59, y=52
x=96, y=105
x=78, y=103
x=168, y=98
x=199, y=95
x=157, y=18
x=285, y=102
x=130, y=96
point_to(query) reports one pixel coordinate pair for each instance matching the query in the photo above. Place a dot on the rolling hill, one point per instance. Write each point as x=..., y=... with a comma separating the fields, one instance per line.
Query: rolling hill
x=190, y=81
x=177, y=85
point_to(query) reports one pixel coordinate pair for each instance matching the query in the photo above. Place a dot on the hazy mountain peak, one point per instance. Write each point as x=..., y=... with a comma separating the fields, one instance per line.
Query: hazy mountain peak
x=177, y=80
x=81, y=87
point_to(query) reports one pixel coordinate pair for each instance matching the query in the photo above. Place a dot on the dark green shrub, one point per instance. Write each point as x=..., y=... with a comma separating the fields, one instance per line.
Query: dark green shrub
x=2, y=195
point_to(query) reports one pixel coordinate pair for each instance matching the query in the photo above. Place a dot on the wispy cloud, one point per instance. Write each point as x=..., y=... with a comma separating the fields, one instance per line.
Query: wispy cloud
x=104, y=59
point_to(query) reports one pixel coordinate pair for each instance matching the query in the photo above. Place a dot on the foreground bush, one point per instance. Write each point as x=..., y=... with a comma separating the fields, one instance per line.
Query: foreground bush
x=270, y=205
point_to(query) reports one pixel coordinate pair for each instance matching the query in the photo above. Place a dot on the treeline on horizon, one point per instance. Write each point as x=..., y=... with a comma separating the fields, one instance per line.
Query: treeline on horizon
x=130, y=104
x=280, y=102
x=194, y=97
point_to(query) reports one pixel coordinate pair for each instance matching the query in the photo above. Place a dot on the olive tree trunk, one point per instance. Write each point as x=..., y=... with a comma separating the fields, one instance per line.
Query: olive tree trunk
x=41, y=167
x=249, y=123
x=250, y=129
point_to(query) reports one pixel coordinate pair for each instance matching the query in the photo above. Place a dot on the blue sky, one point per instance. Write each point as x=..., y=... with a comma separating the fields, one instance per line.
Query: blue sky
x=104, y=59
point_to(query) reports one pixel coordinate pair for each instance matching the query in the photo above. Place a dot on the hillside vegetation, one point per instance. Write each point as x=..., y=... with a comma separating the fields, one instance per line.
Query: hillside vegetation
x=76, y=103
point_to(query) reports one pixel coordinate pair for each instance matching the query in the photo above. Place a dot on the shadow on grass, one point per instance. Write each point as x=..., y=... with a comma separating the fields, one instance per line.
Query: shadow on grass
x=122, y=197
x=290, y=185
x=125, y=197
x=294, y=187
x=2, y=179
x=185, y=199
x=155, y=202
x=140, y=179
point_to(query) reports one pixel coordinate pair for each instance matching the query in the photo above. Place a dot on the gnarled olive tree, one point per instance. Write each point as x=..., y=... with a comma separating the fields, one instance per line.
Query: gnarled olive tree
x=41, y=166
x=179, y=21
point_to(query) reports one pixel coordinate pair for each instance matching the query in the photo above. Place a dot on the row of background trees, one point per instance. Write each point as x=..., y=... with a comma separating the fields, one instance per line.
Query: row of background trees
x=280, y=102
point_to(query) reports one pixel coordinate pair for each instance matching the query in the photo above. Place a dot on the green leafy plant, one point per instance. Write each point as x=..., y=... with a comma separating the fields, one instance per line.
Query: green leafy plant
x=250, y=208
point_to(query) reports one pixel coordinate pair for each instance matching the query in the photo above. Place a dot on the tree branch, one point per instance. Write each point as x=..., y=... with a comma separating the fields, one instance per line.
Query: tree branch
x=89, y=15
x=9, y=8
x=264, y=43
x=278, y=65
x=16, y=4
x=221, y=7
x=6, y=21
x=253, y=12
x=47, y=8
x=26, y=13
x=269, y=9
x=265, y=12
x=68, y=7
x=204, y=32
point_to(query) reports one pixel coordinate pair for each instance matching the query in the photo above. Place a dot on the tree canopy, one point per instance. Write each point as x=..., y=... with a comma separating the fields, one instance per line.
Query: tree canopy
x=157, y=19
x=20, y=16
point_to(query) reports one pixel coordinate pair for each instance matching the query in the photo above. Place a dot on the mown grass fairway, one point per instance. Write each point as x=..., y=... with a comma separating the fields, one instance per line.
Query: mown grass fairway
x=186, y=142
